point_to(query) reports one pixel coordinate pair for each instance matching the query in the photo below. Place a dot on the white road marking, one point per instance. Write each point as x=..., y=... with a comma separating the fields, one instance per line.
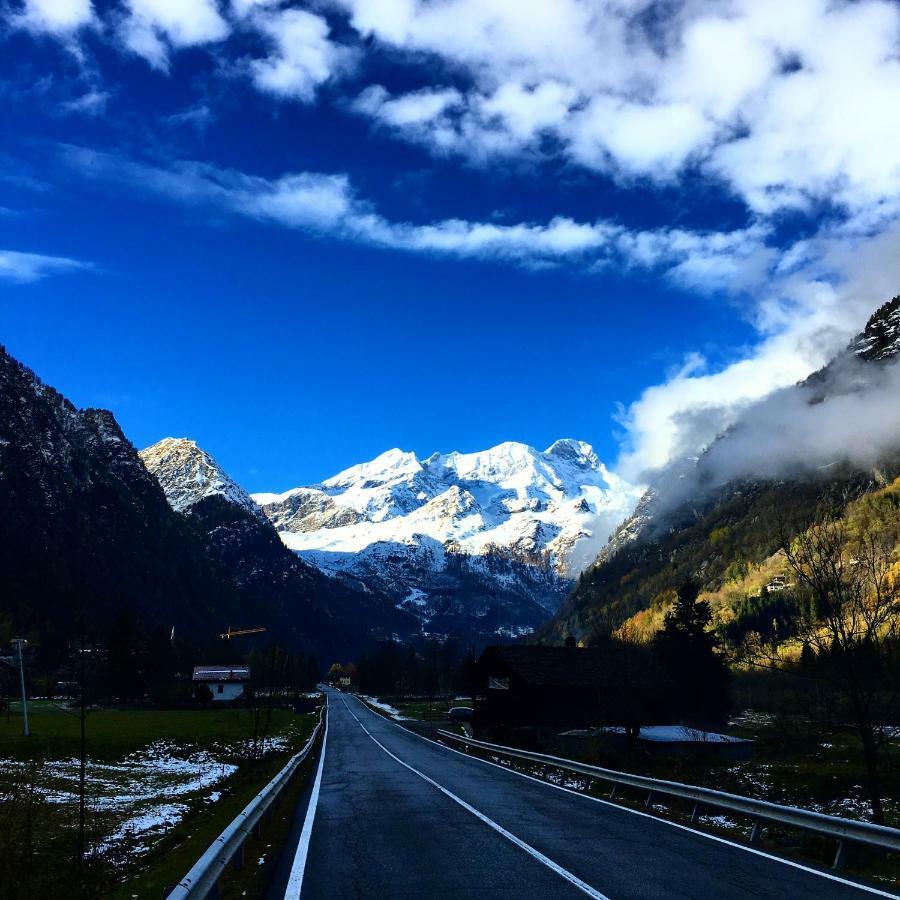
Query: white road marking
x=565, y=873
x=295, y=881
x=704, y=834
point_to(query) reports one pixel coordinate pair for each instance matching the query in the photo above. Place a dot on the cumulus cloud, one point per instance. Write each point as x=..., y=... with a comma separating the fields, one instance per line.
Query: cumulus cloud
x=23, y=268
x=152, y=28
x=786, y=103
x=303, y=56
x=60, y=18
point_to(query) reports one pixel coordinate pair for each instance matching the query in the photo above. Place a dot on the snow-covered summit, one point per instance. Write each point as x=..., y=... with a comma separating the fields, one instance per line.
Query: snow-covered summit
x=554, y=507
x=188, y=473
x=880, y=339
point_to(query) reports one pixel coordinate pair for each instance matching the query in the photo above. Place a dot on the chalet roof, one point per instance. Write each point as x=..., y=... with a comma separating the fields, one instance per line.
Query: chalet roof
x=221, y=673
x=554, y=666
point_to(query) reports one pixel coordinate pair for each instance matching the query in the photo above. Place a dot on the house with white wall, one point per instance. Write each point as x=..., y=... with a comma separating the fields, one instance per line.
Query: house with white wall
x=225, y=683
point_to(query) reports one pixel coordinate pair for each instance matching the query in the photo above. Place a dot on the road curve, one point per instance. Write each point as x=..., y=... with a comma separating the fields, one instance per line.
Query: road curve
x=392, y=815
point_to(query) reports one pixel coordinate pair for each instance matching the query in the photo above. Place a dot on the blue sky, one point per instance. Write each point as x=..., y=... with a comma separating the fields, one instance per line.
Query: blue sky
x=305, y=233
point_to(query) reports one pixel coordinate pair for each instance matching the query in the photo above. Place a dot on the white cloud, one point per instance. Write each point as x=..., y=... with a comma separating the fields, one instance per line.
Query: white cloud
x=92, y=103
x=57, y=17
x=649, y=139
x=804, y=318
x=327, y=204
x=23, y=268
x=152, y=27
x=416, y=108
x=304, y=56
x=787, y=103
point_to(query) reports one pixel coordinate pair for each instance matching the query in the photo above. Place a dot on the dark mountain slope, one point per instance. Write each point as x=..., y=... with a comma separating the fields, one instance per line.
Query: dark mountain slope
x=85, y=531
x=333, y=618
x=340, y=617
x=87, y=534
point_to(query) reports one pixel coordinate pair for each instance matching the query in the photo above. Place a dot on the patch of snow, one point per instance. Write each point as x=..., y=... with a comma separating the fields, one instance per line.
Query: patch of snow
x=678, y=733
x=385, y=707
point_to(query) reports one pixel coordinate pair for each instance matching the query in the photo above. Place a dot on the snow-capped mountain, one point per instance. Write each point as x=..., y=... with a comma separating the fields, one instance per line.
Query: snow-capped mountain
x=880, y=339
x=188, y=473
x=294, y=598
x=496, y=535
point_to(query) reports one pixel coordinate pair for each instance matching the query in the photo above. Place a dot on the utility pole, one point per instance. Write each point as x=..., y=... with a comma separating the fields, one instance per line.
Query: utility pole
x=19, y=642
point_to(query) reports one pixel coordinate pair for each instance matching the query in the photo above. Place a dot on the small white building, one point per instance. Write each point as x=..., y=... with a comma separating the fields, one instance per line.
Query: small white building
x=225, y=683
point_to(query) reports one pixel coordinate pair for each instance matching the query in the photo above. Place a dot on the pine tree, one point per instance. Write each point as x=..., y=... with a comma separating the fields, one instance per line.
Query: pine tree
x=686, y=651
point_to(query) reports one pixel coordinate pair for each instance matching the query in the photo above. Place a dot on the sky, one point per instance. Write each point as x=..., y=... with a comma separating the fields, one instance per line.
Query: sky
x=304, y=233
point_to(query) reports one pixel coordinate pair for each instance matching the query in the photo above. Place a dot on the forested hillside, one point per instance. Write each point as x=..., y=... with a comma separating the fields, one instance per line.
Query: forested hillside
x=722, y=519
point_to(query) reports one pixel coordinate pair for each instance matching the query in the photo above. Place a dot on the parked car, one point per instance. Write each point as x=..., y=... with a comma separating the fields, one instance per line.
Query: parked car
x=460, y=714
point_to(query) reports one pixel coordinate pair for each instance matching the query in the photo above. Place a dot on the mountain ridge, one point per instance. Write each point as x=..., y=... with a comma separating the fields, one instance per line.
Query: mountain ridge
x=491, y=539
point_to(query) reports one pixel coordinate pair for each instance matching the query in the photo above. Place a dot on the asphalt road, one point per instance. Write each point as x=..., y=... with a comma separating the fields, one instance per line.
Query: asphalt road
x=392, y=815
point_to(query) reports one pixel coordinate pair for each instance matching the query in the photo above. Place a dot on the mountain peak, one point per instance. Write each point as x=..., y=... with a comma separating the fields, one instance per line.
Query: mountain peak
x=880, y=338
x=579, y=452
x=386, y=467
x=187, y=474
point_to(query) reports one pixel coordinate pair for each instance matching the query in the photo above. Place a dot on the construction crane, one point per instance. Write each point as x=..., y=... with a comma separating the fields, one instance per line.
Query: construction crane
x=238, y=632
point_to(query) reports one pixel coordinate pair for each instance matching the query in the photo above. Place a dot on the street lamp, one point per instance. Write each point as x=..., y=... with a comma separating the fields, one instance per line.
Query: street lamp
x=19, y=643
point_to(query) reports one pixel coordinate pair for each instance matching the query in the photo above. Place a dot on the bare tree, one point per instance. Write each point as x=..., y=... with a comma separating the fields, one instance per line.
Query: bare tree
x=847, y=573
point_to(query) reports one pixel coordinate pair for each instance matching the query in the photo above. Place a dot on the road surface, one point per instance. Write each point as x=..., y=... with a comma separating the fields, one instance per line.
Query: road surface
x=392, y=815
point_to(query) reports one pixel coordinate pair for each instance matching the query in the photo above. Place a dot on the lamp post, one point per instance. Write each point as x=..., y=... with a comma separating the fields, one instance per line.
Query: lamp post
x=18, y=643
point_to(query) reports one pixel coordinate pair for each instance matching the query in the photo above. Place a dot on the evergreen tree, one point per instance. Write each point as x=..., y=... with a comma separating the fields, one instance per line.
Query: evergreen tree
x=686, y=651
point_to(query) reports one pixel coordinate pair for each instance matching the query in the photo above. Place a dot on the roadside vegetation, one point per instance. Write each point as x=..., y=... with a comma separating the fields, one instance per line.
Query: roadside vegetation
x=107, y=797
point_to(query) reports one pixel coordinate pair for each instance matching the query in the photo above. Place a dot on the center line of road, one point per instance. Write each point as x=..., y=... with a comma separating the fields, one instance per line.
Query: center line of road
x=531, y=851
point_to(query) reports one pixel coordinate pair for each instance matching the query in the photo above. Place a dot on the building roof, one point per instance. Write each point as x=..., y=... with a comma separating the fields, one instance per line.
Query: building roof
x=555, y=666
x=221, y=673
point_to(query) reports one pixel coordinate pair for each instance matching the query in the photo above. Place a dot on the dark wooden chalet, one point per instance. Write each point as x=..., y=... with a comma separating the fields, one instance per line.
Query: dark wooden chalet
x=528, y=693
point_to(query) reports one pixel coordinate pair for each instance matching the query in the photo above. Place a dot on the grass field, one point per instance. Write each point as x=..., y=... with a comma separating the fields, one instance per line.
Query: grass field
x=174, y=854
x=112, y=734
x=170, y=779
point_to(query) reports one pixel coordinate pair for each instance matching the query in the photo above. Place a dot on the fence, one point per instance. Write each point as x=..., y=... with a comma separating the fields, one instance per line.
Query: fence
x=761, y=811
x=228, y=848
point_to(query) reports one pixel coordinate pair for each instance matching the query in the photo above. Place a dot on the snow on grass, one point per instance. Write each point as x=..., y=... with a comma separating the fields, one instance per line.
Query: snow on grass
x=137, y=792
x=392, y=711
x=149, y=791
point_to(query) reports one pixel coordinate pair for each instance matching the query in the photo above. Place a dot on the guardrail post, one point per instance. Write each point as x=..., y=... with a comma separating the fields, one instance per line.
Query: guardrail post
x=238, y=859
x=760, y=812
x=840, y=857
x=214, y=892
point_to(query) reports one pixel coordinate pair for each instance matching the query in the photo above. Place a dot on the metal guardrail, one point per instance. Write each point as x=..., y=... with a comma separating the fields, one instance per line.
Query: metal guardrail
x=203, y=878
x=762, y=811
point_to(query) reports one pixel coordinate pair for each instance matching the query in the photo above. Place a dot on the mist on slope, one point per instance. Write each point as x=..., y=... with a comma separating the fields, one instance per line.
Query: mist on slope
x=805, y=311
x=857, y=421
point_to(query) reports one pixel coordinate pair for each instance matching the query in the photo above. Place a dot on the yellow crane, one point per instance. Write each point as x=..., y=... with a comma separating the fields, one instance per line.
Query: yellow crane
x=237, y=632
